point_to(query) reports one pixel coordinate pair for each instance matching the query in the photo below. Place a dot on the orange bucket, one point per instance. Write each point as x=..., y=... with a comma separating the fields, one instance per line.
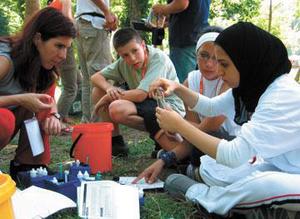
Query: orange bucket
x=92, y=144
x=7, y=189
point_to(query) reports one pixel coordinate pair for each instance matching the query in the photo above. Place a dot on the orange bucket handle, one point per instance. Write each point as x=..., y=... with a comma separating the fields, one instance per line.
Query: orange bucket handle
x=74, y=144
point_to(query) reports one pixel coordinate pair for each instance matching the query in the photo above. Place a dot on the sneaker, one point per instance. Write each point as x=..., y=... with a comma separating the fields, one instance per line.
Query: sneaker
x=15, y=168
x=119, y=147
x=193, y=172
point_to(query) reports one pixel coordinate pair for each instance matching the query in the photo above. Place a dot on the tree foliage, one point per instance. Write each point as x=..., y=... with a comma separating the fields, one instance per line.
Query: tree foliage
x=235, y=10
x=222, y=13
x=10, y=20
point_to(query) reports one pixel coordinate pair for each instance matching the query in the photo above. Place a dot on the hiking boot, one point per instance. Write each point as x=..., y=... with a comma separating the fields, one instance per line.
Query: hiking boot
x=119, y=147
x=15, y=168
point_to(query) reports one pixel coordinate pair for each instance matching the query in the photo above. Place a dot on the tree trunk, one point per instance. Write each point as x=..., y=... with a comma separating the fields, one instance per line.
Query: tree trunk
x=270, y=16
x=135, y=11
x=31, y=6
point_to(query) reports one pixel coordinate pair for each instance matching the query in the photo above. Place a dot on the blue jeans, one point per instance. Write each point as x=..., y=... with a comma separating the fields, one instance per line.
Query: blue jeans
x=184, y=60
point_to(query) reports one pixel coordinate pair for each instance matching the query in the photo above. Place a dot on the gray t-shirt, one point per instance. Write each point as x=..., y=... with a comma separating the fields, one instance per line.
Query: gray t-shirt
x=8, y=84
x=159, y=66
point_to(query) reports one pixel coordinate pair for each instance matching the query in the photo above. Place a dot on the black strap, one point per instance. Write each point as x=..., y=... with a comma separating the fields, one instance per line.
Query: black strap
x=94, y=14
x=74, y=144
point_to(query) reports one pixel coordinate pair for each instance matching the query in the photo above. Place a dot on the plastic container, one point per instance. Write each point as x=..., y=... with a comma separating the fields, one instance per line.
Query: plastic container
x=39, y=181
x=7, y=189
x=68, y=189
x=156, y=21
x=92, y=145
x=74, y=169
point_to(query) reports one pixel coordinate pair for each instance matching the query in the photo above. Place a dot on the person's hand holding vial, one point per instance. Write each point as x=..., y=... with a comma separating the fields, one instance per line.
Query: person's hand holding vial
x=161, y=103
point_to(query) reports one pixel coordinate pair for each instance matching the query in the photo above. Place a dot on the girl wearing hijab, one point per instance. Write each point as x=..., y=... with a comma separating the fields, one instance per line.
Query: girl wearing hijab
x=264, y=100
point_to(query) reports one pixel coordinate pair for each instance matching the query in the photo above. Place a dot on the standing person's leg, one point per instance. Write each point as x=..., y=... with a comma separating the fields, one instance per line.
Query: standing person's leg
x=100, y=58
x=7, y=126
x=184, y=60
x=83, y=36
x=68, y=73
x=94, y=55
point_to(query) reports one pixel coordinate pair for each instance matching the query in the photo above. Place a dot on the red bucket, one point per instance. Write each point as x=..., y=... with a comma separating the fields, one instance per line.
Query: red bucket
x=92, y=144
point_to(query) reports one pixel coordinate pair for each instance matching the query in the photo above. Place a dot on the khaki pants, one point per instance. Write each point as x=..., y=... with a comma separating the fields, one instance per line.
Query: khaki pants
x=94, y=54
x=70, y=79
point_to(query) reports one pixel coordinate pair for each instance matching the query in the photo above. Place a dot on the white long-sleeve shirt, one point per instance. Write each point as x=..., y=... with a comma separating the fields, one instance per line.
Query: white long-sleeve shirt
x=273, y=133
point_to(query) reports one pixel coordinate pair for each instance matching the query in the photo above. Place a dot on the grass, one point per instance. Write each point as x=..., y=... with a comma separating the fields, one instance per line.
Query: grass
x=158, y=205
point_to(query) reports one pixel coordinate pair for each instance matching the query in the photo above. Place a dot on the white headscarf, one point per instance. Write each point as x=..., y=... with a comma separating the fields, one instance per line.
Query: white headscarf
x=207, y=37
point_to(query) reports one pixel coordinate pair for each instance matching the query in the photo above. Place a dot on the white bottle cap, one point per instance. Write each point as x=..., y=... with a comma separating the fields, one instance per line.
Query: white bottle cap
x=79, y=175
x=45, y=172
x=33, y=173
x=54, y=180
x=86, y=175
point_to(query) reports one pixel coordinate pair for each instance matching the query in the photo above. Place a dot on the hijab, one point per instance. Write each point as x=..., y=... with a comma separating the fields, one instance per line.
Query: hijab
x=259, y=57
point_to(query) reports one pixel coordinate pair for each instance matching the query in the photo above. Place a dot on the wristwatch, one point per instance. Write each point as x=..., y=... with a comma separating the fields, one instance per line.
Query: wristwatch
x=169, y=158
x=56, y=115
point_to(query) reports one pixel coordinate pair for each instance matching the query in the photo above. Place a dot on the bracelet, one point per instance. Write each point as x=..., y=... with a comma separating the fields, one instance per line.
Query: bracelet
x=168, y=157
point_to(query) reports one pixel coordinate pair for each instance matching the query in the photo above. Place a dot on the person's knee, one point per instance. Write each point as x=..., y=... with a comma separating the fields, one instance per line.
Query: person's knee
x=7, y=126
x=171, y=178
x=117, y=111
x=177, y=185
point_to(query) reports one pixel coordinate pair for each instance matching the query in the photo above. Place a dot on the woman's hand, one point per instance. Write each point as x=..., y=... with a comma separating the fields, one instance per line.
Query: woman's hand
x=168, y=87
x=35, y=102
x=150, y=174
x=168, y=119
x=52, y=126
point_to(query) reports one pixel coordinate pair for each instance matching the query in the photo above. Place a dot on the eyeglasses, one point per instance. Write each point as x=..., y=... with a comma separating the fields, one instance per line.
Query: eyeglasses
x=204, y=56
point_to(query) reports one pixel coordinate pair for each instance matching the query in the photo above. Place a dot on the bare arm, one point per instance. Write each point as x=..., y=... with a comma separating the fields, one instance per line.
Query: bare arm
x=99, y=81
x=174, y=7
x=31, y=101
x=111, y=19
x=67, y=8
x=5, y=67
x=135, y=95
x=101, y=4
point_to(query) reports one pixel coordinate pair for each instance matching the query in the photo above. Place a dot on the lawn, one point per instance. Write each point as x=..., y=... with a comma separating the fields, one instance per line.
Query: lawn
x=158, y=205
